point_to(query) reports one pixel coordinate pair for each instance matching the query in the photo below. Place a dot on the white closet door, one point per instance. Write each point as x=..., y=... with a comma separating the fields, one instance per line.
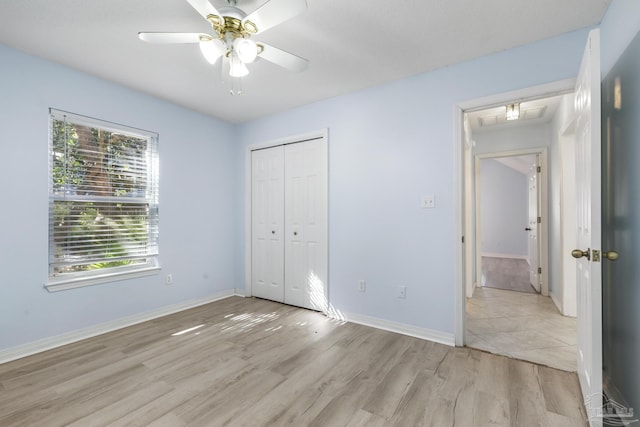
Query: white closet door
x=267, y=230
x=306, y=224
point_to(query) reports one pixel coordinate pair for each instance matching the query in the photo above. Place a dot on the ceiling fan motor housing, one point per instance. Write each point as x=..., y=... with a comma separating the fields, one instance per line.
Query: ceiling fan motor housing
x=230, y=22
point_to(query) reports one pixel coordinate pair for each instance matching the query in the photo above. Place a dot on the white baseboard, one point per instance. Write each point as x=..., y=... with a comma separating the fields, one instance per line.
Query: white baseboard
x=34, y=347
x=401, y=328
x=558, y=304
x=239, y=293
x=512, y=256
x=555, y=300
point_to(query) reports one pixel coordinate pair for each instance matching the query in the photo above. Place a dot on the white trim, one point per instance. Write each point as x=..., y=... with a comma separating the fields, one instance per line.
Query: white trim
x=55, y=285
x=34, y=347
x=540, y=91
x=555, y=300
x=459, y=228
x=510, y=256
x=526, y=94
x=401, y=328
x=101, y=123
x=318, y=134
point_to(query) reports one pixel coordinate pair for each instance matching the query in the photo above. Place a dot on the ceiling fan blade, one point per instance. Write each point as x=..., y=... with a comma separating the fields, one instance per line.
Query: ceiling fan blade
x=284, y=59
x=275, y=12
x=173, y=37
x=203, y=7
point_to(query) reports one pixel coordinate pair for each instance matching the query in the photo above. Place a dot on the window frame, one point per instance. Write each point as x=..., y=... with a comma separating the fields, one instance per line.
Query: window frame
x=151, y=265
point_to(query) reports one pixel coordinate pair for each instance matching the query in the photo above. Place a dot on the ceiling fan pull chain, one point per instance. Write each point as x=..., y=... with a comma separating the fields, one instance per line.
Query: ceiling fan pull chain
x=236, y=86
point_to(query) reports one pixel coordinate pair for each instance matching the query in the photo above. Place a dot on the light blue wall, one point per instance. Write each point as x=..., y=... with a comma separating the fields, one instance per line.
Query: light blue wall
x=196, y=201
x=388, y=146
x=504, y=210
x=618, y=28
x=561, y=121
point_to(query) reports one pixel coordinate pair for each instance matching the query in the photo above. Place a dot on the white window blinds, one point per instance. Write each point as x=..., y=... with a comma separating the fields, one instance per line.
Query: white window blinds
x=103, y=201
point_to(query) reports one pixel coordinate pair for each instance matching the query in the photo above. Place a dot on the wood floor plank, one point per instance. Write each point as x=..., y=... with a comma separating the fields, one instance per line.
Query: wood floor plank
x=391, y=390
x=222, y=408
x=167, y=420
x=366, y=419
x=124, y=406
x=561, y=392
x=490, y=410
x=253, y=362
x=421, y=404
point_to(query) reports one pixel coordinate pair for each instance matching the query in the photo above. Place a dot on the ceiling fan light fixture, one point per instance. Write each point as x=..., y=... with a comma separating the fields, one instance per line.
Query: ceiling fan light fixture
x=513, y=111
x=236, y=66
x=231, y=41
x=212, y=49
x=246, y=49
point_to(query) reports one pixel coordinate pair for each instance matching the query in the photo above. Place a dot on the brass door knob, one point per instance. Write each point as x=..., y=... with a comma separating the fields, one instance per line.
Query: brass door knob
x=577, y=253
x=611, y=255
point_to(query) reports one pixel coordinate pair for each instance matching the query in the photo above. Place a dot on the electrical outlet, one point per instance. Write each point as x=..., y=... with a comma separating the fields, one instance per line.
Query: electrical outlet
x=169, y=279
x=362, y=286
x=402, y=292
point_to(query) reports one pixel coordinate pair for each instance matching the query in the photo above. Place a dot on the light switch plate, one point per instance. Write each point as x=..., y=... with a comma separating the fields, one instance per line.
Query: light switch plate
x=428, y=202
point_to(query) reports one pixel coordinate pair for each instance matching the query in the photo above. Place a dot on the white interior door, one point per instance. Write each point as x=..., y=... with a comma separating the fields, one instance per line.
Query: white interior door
x=588, y=270
x=267, y=229
x=532, y=227
x=306, y=224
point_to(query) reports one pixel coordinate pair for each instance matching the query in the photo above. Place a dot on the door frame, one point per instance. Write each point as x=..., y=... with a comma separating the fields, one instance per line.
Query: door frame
x=543, y=203
x=322, y=134
x=459, y=174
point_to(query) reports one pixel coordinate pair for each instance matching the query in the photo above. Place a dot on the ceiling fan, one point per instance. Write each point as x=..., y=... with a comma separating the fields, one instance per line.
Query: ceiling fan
x=233, y=30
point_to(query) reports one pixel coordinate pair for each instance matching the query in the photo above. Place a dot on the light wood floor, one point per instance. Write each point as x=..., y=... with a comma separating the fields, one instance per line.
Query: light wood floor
x=254, y=362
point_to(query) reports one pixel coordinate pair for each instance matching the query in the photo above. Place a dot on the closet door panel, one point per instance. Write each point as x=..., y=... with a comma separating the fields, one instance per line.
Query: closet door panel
x=305, y=224
x=267, y=216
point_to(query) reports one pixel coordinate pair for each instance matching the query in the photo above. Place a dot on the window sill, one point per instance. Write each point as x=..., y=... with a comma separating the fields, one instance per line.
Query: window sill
x=62, y=284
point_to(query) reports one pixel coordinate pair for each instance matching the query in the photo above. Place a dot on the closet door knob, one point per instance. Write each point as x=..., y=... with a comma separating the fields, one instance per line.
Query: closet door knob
x=273, y=231
x=295, y=233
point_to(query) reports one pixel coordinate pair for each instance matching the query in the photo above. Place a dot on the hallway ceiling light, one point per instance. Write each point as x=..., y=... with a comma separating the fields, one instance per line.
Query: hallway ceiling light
x=513, y=111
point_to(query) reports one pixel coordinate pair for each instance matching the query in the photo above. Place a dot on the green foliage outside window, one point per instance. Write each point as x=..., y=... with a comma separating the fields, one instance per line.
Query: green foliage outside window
x=100, y=211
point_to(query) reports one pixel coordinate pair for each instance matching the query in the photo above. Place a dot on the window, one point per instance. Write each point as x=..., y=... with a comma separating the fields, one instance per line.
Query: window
x=103, y=201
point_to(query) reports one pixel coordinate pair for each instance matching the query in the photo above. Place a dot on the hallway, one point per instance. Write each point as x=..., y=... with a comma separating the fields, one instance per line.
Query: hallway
x=521, y=325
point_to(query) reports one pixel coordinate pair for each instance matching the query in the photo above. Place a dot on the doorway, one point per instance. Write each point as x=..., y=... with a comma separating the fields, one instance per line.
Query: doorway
x=528, y=326
x=508, y=219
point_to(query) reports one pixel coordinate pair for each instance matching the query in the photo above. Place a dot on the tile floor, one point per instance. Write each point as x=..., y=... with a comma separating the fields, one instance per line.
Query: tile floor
x=521, y=325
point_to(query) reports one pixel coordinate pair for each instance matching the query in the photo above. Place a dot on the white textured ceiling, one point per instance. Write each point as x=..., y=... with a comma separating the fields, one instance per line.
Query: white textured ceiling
x=350, y=44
